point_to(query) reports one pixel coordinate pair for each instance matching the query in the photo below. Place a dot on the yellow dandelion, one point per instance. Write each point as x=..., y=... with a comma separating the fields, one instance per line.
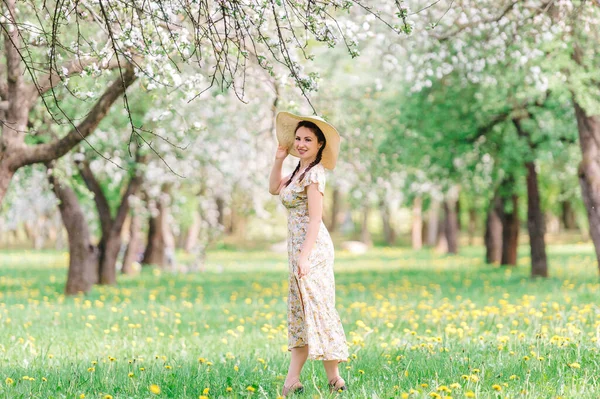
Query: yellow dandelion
x=496, y=387
x=91, y=369
x=82, y=396
x=435, y=395
x=361, y=371
x=404, y=395
x=455, y=385
x=575, y=365
x=130, y=375
x=44, y=379
x=202, y=397
x=513, y=377
x=229, y=389
x=107, y=397
x=469, y=394
x=142, y=369
x=250, y=388
x=155, y=389
x=9, y=381
x=424, y=385
x=206, y=391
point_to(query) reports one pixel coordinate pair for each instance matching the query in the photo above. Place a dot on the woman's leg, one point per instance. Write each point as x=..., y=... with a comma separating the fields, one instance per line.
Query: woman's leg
x=333, y=373
x=299, y=356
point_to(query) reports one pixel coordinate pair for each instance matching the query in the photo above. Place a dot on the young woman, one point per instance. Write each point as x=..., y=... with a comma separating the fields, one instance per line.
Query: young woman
x=314, y=327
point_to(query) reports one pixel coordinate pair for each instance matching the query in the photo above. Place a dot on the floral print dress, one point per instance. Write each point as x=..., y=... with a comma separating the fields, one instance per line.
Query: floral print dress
x=312, y=318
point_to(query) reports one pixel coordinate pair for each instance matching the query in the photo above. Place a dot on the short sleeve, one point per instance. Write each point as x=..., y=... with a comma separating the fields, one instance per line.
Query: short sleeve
x=316, y=174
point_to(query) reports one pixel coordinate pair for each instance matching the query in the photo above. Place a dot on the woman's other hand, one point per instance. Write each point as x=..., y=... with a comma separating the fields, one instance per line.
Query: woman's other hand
x=282, y=152
x=303, y=267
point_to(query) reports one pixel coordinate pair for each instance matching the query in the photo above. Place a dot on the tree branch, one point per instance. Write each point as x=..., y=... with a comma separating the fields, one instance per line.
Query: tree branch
x=58, y=148
x=52, y=79
x=460, y=27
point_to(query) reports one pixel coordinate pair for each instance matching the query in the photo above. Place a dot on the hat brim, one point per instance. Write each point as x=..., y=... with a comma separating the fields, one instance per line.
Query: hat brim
x=286, y=124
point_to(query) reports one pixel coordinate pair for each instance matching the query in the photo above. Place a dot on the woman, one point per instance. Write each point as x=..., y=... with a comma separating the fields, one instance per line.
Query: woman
x=314, y=327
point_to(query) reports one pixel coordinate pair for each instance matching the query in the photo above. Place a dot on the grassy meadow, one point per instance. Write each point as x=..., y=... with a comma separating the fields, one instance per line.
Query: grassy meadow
x=419, y=325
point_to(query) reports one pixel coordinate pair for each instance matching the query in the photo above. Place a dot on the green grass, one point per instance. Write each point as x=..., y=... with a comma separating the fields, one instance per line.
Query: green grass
x=417, y=323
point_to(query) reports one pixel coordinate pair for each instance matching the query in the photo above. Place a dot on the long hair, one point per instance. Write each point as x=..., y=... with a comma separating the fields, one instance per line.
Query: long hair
x=320, y=138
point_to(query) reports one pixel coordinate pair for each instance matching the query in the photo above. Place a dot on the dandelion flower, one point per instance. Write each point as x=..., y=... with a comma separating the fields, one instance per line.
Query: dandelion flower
x=496, y=387
x=575, y=365
x=250, y=388
x=155, y=389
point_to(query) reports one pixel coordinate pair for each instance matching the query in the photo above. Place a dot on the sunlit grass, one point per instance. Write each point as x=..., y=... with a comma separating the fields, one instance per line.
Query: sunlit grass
x=419, y=325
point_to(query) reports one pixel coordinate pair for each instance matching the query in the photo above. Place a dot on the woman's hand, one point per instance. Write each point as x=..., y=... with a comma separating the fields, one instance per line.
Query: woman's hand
x=303, y=267
x=282, y=152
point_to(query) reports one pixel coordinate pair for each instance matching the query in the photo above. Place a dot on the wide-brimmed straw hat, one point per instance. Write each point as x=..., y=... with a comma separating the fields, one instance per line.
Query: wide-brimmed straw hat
x=286, y=124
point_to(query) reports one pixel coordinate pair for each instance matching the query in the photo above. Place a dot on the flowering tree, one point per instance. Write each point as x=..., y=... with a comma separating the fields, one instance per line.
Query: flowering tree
x=181, y=45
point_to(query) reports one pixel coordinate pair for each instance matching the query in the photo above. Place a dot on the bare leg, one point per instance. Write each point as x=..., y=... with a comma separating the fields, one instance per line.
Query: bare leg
x=331, y=368
x=299, y=356
x=333, y=373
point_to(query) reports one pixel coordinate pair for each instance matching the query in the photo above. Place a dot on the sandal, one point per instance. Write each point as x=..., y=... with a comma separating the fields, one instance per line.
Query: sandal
x=336, y=386
x=289, y=390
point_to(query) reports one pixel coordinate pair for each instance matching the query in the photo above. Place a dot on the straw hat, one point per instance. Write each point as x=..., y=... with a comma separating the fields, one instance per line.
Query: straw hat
x=286, y=135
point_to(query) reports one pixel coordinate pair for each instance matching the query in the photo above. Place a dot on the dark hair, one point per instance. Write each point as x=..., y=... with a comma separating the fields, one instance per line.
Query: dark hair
x=320, y=138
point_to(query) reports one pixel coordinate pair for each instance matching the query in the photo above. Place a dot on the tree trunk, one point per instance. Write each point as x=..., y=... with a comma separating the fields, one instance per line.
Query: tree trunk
x=535, y=224
x=83, y=259
x=441, y=245
x=335, y=210
x=388, y=231
x=365, y=235
x=193, y=233
x=154, y=253
x=220, y=202
x=493, y=232
x=472, y=225
x=510, y=231
x=112, y=228
x=417, y=223
x=451, y=225
x=433, y=224
x=160, y=248
x=589, y=171
x=134, y=246
x=568, y=215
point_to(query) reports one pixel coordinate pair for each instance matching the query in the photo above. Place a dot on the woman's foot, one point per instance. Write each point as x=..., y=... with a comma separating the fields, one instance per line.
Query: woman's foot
x=337, y=385
x=292, y=388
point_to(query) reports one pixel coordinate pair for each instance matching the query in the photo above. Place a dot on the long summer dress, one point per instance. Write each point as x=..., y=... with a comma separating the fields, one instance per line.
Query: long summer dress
x=312, y=318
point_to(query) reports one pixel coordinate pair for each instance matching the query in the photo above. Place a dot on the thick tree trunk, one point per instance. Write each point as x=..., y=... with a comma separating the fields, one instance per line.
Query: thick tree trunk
x=451, y=225
x=365, y=235
x=417, y=223
x=493, y=232
x=589, y=171
x=536, y=224
x=83, y=259
x=160, y=250
x=568, y=219
x=335, y=210
x=155, y=247
x=433, y=225
x=441, y=244
x=510, y=231
x=389, y=234
x=134, y=246
x=112, y=228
